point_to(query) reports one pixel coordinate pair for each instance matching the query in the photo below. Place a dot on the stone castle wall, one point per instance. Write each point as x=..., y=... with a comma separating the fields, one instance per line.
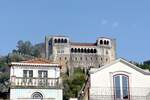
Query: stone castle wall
x=70, y=55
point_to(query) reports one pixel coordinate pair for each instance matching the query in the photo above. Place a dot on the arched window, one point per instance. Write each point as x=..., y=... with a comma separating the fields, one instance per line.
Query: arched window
x=62, y=40
x=65, y=40
x=85, y=50
x=104, y=41
x=79, y=50
x=92, y=51
x=58, y=40
x=72, y=50
x=75, y=50
x=107, y=42
x=55, y=41
x=95, y=51
x=121, y=87
x=88, y=50
x=101, y=41
x=37, y=95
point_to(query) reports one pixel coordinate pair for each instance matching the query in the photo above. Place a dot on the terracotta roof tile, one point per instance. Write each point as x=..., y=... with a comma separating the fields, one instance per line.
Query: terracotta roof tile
x=38, y=61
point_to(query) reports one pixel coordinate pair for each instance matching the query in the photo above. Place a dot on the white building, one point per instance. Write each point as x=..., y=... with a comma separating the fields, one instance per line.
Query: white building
x=35, y=79
x=119, y=80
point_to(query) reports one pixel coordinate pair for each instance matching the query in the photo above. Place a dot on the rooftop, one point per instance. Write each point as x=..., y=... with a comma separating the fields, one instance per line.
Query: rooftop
x=35, y=62
x=83, y=44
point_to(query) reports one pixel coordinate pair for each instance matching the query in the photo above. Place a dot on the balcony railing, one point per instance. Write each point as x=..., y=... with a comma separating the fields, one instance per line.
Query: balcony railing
x=134, y=93
x=36, y=82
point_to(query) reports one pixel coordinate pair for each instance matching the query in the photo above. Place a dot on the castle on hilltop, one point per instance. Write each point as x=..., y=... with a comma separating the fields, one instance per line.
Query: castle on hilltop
x=62, y=50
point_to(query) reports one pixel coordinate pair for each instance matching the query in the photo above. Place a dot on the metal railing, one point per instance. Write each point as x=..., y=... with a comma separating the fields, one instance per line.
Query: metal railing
x=37, y=82
x=134, y=93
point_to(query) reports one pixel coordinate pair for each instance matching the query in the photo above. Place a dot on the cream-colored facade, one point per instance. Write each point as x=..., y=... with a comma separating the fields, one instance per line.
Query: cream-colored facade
x=119, y=80
x=35, y=79
x=70, y=54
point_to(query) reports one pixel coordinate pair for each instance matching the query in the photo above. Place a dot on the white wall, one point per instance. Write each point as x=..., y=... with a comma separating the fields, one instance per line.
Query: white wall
x=139, y=83
x=26, y=94
x=53, y=72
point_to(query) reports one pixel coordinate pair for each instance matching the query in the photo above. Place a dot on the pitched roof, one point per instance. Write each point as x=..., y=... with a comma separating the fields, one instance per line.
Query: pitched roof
x=38, y=61
x=94, y=70
x=35, y=62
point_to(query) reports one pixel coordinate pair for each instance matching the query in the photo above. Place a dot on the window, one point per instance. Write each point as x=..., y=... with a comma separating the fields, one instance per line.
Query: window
x=101, y=41
x=37, y=95
x=106, y=52
x=55, y=41
x=43, y=75
x=65, y=58
x=65, y=41
x=76, y=58
x=96, y=58
x=72, y=50
x=86, y=58
x=106, y=59
x=105, y=42
x=27, y=75
x=121, y=87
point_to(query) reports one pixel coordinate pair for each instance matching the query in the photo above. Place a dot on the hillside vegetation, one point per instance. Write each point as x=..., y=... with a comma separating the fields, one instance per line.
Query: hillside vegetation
x=25, y=50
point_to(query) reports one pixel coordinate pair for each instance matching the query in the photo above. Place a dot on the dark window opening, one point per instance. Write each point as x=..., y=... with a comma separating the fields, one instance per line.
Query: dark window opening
x=79, y=50
x=62, y=40
x=65, y=58
x=101, y=41
x=72, y=50
x=92, y=51
x=75, y=50
x=65, y=40
x=55, y=41
x=58, y=40
x=95, y=51
x=88, y=50
x=85, y=50
x=105, y=42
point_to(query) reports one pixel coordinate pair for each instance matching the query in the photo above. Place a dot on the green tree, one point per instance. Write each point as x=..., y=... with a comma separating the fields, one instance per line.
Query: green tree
x=72, y=85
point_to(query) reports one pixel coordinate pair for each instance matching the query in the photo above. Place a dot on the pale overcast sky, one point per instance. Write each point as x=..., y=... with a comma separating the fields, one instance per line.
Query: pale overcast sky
x=128, y=21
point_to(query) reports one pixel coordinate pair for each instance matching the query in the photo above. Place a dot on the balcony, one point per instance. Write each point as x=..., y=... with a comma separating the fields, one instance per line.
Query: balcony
x=134, y=93
x=36, y=82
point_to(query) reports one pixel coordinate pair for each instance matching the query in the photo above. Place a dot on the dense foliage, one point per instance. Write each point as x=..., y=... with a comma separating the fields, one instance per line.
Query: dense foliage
x=4, y=74
x=73, y=84
x=144, y=66
x=25, y=50
x=28, y=49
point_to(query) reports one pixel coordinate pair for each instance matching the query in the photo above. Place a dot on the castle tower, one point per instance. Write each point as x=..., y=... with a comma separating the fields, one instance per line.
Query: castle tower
x=58, y=50
x=85, y=55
